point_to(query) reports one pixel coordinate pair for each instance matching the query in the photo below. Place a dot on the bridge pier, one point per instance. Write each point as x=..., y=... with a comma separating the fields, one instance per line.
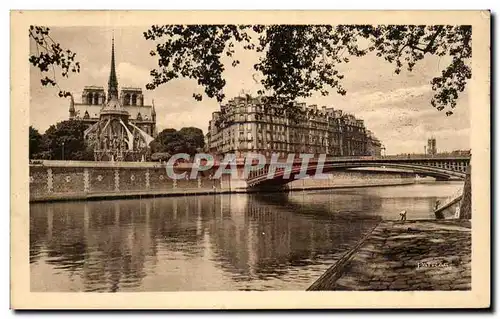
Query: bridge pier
x=234, y=183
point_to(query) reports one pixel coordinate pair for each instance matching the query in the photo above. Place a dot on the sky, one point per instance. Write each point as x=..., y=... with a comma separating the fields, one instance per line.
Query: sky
x=395, y=107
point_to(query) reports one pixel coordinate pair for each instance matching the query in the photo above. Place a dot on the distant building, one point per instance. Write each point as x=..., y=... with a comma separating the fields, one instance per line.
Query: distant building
x=373, y=145
x=248, y=124
x=431, y=146
x=461, y=152
x=120, y=127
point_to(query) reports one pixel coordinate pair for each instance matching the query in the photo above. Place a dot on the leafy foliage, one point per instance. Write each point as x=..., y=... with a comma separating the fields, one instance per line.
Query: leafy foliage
x=195, y=52
x=67, y=135
x=170, y=141
x=193, y=137
x=160, y=157
x=299, y=60
x=49, y=55
x=406, y=45
x=36, y=141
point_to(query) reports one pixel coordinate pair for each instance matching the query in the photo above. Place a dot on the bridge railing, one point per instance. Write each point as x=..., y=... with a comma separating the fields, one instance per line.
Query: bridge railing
x=262, y=174
x=241, y=160
x=368, y=158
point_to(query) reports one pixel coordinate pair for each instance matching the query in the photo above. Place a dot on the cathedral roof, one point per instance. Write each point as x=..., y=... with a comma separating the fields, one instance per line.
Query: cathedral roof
x=113, y=106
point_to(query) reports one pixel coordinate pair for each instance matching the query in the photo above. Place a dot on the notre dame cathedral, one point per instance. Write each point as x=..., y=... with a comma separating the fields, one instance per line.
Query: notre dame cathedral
x=120, y=127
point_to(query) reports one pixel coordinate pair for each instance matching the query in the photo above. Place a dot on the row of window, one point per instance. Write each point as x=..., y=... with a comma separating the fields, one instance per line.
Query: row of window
x=282, y=145
x=284, y=128
x=258, y=113
x=282, y=120
x=299, y=149
x=95, y=98
x=132, y=99
x=290, y=138
x=98, y=98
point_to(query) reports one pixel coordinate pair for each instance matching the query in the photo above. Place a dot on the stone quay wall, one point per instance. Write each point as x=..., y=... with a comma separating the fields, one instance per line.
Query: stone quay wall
x=73, y=180
x=354, y=178
x=58, y=180
x=406, y=255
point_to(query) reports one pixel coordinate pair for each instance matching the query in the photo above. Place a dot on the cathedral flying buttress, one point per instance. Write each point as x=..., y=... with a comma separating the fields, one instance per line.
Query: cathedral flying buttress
x=120, y=128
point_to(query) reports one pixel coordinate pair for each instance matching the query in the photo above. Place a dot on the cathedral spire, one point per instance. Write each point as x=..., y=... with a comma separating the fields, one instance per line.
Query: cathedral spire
x=71, y=107
x=153, y=111
x=113, y=82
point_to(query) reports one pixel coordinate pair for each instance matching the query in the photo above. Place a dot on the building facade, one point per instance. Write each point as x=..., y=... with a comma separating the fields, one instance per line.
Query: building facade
x=373, y=145
x=257, y=125
x=431, y=146
x=120, y=126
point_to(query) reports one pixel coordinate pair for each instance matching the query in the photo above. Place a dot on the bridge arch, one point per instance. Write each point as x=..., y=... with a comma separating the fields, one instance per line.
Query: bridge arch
x=260, y=178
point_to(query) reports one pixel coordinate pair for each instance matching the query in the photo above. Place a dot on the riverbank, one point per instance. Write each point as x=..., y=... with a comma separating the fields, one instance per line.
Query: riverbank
x=409, y=255
x=67, y=181
x=279, y=241
x=84, y=196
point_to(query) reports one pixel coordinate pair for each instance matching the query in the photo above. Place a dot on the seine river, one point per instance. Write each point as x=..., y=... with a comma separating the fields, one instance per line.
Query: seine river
x=272, y=241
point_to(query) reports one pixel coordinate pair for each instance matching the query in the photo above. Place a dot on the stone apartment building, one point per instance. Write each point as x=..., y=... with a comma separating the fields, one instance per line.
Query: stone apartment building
x=254, y=124
x=373, y=146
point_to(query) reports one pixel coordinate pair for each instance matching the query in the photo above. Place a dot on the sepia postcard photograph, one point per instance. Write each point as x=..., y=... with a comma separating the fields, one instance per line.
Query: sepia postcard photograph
x=250, y=159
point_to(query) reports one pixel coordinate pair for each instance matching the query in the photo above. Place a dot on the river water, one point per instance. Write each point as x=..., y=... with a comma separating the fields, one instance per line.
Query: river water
x=219, y=242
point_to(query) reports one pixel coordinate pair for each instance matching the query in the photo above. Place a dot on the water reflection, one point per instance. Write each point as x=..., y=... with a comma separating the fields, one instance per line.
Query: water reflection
x=273, y=241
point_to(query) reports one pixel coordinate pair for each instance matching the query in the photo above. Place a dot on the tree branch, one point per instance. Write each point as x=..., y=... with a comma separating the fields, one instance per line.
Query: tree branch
x=431, y=42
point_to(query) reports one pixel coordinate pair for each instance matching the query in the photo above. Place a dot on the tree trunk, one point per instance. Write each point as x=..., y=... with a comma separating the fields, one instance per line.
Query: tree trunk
x=465, y=205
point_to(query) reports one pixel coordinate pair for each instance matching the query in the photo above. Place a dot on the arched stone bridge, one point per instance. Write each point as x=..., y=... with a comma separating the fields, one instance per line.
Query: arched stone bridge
x=441, y=168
